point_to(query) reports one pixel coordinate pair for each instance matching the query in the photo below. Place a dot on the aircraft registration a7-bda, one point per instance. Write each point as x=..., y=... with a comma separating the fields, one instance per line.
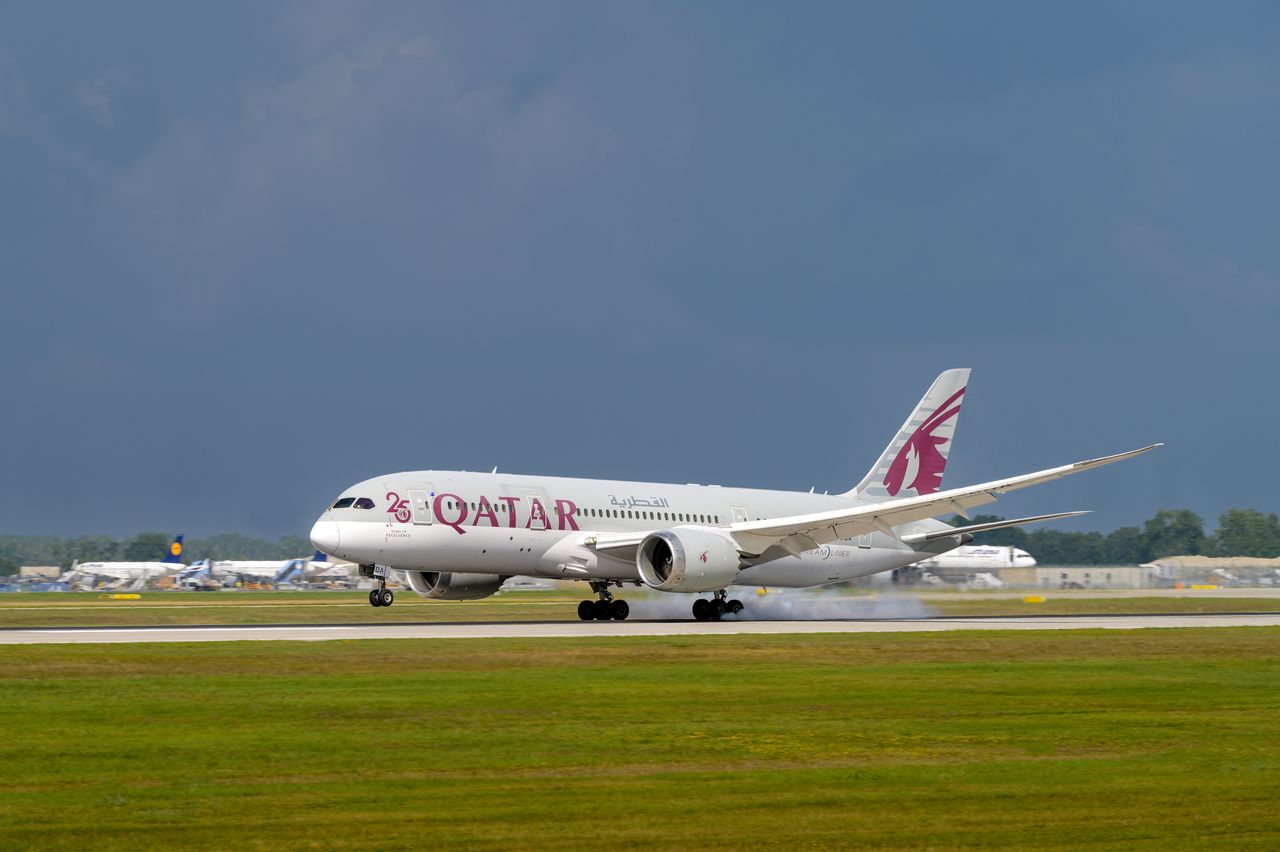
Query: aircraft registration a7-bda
x=459, y=535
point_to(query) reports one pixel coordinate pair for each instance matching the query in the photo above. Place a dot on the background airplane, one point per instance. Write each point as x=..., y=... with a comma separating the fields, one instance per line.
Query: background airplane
x=231, y=571
x=126, y=573
x=980, y=557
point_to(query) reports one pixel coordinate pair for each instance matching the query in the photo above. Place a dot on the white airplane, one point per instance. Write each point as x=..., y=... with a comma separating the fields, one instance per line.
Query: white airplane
x=459, y=535
x=140, y=572
x=980, y=557
x=259, y=571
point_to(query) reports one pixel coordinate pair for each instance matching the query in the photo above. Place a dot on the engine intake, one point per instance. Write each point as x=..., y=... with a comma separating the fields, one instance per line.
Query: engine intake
x=687, y=559
x=445, y=586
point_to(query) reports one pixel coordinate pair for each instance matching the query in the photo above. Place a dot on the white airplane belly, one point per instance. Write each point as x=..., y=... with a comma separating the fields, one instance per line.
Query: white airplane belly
x=816, y=568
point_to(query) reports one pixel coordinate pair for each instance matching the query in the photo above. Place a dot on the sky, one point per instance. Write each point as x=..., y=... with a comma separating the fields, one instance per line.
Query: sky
x=254, y=252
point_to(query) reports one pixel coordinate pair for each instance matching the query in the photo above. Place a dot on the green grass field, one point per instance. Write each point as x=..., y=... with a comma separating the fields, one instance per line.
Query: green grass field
x=1101, y=739
x=159, y=608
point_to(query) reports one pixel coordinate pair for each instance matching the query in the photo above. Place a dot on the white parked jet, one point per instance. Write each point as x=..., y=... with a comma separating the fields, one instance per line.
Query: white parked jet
x=459, y=535
x=980, y=557
x=258, y=571
x=99, y=573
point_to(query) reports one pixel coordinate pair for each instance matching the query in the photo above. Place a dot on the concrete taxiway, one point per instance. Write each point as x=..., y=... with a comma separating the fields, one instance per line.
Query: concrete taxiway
x=591, y=629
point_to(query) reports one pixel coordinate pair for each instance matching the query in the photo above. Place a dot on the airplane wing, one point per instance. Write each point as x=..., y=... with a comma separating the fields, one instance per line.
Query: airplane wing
x=799, y=533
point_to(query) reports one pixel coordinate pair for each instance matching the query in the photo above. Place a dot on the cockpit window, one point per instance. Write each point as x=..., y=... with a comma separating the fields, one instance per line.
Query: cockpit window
x=364, y=503
x=344, y=503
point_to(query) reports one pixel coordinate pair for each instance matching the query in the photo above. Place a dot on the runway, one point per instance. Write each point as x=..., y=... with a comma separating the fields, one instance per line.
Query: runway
x=614, y=629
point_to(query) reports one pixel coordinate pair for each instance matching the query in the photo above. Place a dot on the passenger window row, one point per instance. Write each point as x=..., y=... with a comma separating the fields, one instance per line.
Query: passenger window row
x=629, y=514
x=678, y=517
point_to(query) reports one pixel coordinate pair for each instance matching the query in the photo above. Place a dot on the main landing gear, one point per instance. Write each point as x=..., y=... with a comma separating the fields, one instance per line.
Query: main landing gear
x=607, y=608
x=716, y=607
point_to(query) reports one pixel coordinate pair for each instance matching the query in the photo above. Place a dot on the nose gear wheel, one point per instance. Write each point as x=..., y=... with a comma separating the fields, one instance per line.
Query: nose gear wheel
x=381, y=596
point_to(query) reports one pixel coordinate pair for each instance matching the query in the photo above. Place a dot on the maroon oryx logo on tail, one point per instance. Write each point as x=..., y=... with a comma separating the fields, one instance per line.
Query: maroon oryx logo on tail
x=920, y=462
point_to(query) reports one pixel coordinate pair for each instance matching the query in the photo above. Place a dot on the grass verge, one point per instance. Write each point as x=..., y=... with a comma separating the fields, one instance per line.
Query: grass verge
x=1092, y=738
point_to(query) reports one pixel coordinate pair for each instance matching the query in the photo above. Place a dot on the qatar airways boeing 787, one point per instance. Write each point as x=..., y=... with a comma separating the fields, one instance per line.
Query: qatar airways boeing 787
x=459, y=535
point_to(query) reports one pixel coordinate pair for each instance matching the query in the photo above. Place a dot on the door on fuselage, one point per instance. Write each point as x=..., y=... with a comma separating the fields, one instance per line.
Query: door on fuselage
x=420, y=504
x=533, y=506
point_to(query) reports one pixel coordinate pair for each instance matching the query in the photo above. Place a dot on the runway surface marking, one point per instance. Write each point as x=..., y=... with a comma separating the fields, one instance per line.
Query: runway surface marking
x=590, y=629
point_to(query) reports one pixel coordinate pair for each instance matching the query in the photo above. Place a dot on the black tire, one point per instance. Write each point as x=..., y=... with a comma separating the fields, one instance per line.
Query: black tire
x=701, y=609
x=388, y=597
x=374, y=598
x=587, y=610
x=734, y=607
x=715, y=609
x=621, y=610
x=603, y=610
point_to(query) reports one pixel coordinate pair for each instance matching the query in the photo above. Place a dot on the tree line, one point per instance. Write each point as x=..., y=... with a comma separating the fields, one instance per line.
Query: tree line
x=1171, y=532
x=18, y=550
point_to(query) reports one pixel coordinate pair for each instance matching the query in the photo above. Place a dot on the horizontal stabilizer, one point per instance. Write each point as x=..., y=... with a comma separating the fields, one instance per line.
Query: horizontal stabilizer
x=925, y=538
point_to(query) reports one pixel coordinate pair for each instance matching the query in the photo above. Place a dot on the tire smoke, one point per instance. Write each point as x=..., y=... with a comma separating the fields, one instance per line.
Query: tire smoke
x=784, y=605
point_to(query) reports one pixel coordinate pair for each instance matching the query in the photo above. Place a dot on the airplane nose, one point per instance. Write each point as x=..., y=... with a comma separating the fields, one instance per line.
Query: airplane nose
x=326, y=536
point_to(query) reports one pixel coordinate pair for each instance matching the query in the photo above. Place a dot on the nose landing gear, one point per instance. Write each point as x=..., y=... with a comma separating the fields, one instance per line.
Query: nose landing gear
x=607, y=608
x=381, y=596
x=715, y=608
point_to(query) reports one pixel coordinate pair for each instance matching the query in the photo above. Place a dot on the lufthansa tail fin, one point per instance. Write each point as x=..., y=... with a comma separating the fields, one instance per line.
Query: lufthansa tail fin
x=175, y=551
x=913, y=463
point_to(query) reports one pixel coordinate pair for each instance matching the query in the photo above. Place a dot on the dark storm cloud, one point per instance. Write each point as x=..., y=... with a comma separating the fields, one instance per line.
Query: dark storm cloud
x=252, y=256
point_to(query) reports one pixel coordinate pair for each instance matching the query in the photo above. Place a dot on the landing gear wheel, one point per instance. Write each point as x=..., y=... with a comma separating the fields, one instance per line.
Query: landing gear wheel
x=587, y=610
x=620, y=610
x=701, y=609
x=374, y=598
x=386, y=597
x=734, y=606
x=603, y=610
x=715, y=609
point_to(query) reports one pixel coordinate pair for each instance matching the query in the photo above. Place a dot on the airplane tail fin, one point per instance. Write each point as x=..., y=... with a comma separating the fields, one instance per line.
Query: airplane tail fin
x=915, y=459
x=320, y=557
x=175, y=551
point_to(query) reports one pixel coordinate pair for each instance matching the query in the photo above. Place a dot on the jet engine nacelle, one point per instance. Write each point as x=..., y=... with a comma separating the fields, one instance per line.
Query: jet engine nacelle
x=445, y=586
x=687, y=559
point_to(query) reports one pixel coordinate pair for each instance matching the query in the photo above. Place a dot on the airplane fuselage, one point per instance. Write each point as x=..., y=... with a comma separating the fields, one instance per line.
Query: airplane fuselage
x=506, y=524
x=128, y=570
